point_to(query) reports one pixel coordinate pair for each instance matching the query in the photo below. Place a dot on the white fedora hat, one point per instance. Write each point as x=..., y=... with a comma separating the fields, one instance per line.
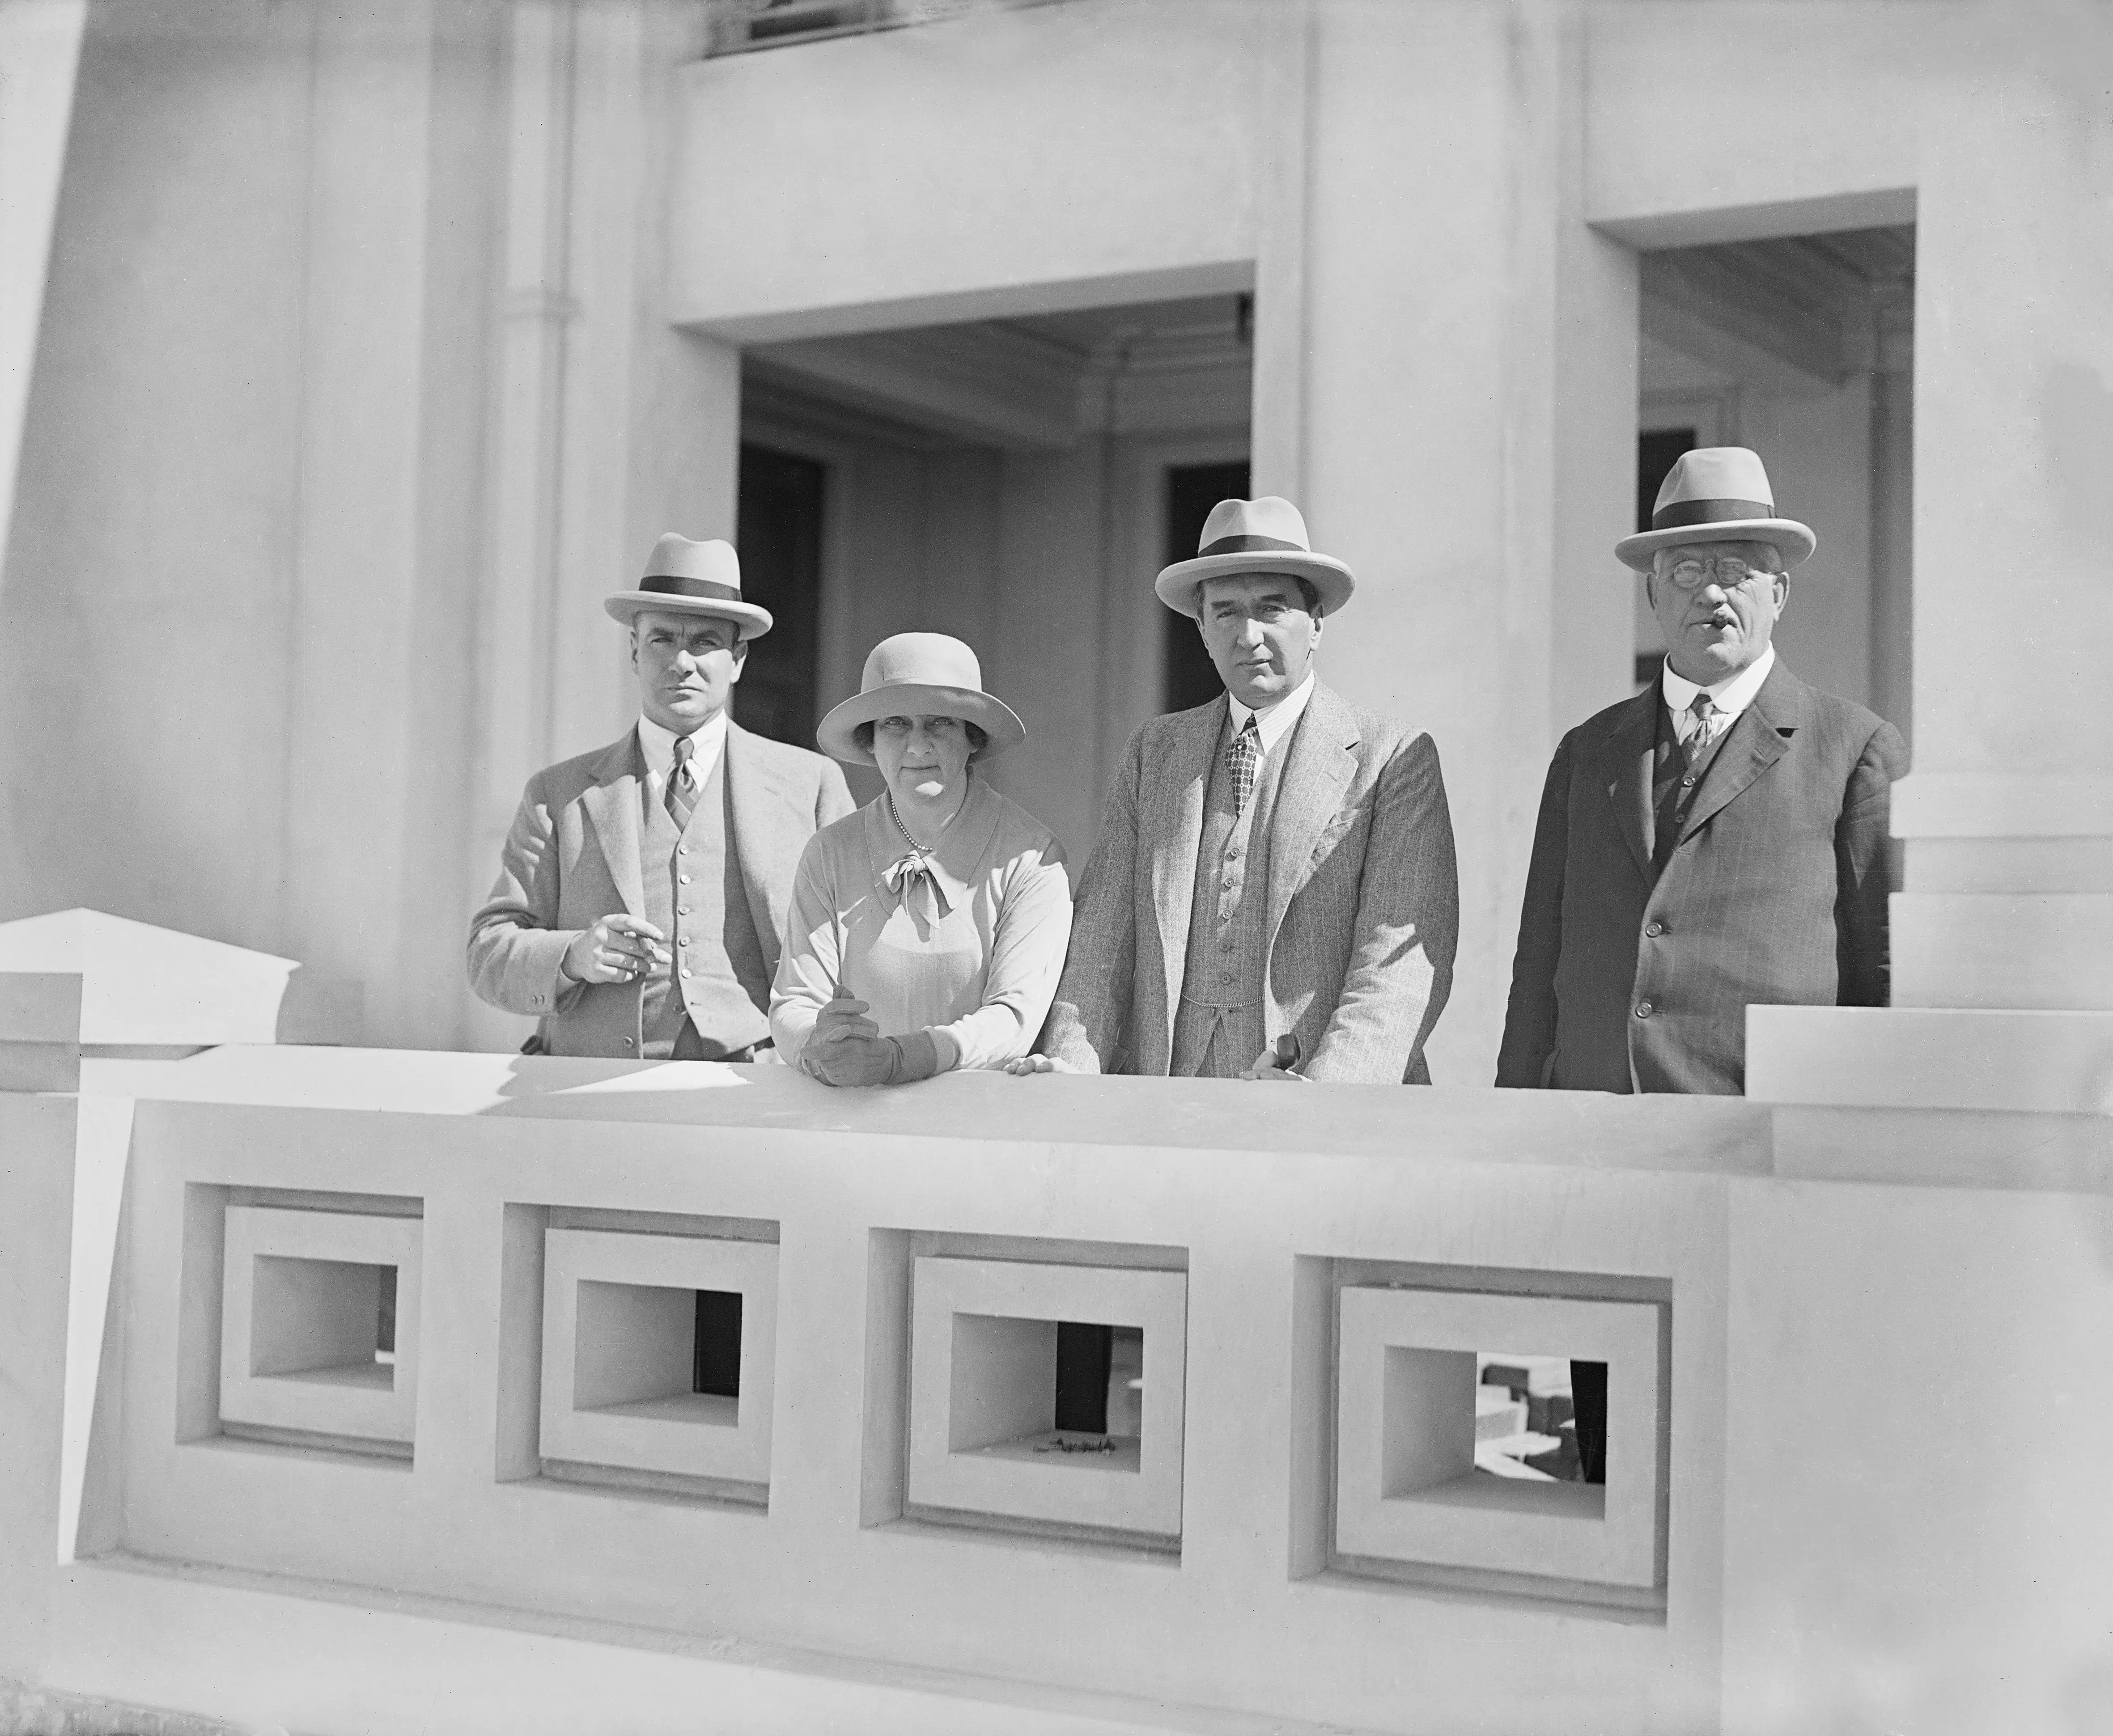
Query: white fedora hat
x=1717, y=494
x=1264, y=535
x=684, y=577
x=926, y=675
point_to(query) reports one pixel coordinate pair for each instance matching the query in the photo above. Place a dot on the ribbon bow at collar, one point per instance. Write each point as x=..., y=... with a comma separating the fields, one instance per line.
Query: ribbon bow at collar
x=911, y=878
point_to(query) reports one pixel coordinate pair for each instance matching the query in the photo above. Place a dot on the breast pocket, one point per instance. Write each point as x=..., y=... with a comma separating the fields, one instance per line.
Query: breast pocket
x=1345, y=832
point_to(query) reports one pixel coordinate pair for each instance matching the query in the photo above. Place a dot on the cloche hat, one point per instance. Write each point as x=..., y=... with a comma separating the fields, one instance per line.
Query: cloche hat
x=1264, y=535
x=930, y=675
x=685, y=577
x=1717, y=494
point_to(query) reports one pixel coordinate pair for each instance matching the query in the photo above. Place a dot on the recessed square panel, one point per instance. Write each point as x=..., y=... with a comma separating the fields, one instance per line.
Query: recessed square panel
x=1410, y=1403
x=304, y=1295
x=621, y=1361
x=984, y=1385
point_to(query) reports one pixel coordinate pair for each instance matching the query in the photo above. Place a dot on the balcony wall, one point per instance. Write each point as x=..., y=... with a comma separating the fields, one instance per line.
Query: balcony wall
x=1879, y=1331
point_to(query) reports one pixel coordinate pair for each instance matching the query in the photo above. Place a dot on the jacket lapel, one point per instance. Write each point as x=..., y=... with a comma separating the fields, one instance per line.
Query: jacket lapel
x=1758, y=740
x=1319, y=760
x=756, y=801
x=611, y=804
x=1179, y=789
x=1625, y=773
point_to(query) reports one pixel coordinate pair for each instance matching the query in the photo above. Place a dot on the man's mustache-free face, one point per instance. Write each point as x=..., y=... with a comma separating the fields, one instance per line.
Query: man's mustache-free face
x=1260, y=633
x=686, y=665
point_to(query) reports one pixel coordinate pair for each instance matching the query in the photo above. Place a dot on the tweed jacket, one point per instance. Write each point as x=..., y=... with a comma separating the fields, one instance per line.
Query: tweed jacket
x=571, y=857
x=1629, y=979
x=1363, y=898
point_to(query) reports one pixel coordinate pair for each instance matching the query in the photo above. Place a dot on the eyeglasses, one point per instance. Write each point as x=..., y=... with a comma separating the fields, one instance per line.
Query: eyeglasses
x=1730, y=572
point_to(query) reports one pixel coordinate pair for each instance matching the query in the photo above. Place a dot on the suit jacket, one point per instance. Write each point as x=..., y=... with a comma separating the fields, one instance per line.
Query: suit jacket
x=571, y=857
x=1363, y=898
x=1774, y=893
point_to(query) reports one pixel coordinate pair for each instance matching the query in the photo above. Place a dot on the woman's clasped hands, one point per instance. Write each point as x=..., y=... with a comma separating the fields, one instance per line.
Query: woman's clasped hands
x=846, y=1047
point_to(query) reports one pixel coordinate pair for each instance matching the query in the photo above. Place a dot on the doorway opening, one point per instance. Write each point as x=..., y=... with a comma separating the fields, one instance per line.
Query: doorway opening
x=1802, y=348
x=1192, y=491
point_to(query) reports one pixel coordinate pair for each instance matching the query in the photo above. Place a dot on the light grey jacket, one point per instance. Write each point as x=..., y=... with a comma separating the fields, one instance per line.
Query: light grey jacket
x=1364, y=899
x=571, y=857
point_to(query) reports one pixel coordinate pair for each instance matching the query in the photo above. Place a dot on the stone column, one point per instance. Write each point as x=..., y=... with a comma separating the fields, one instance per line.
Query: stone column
x=1468, y=422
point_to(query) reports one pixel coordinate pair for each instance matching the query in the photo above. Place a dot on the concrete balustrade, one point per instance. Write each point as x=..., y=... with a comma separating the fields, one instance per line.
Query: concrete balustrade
x=1296, y=1537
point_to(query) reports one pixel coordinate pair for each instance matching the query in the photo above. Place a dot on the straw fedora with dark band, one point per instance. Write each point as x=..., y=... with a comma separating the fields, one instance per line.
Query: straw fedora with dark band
x=1717, y=494
x=1264, y=535
x=919, y=674
x=684, y=577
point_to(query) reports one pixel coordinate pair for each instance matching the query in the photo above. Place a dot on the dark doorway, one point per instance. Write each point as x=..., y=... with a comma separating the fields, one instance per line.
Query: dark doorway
x=779, y=536
x=1658, y=449
x=1192, y=491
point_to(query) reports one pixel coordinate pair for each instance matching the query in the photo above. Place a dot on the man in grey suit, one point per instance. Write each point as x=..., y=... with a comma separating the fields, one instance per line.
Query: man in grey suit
x=642, y=886
x=1273, y=893
x=1717, y=842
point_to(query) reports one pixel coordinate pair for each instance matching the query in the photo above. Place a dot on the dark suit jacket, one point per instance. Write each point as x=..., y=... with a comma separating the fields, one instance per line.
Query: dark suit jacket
x=1774, y=893
x=1364, y=900
x=571, y=857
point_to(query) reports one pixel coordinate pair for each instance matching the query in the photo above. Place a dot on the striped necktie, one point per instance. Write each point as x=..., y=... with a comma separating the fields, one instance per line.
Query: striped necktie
x=1708, y=725
x=1240, y=758
x=681, y=796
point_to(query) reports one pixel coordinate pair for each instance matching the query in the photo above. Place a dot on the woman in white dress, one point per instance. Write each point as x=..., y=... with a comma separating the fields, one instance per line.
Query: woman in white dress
x=927, y=929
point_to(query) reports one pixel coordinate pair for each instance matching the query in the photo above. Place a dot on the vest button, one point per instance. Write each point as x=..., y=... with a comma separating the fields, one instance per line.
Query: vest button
x=1688, y=781
x=686, y=971
x=684, y=941
x=1643, y=1007
x=681, y=849
x=682, y=910
x=1653, y=929
x=1224, y=976
x=1233, y=851
x=684, y=878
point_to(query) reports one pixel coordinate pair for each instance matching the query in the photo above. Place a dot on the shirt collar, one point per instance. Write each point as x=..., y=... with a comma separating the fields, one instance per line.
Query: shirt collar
x=1274, y=722
x=1730, y=696
x=657, y=744
x=954, y=854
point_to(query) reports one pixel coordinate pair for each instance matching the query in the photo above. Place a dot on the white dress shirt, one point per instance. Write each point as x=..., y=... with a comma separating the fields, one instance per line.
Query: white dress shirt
x=1730, y=696
x=658, y=745
x=1273, y=724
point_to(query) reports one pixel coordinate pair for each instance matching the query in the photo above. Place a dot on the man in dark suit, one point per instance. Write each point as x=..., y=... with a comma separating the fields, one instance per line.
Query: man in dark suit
x=643, y=887
x=1717, y=841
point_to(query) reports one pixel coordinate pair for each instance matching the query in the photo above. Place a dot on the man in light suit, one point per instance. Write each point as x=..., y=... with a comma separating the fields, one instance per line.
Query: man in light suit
x=1273, y=893
x=642, y=886
x=1716, y=842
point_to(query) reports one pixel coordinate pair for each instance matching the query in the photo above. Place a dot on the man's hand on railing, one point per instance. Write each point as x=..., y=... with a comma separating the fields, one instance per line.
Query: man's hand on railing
x=1022, y=1065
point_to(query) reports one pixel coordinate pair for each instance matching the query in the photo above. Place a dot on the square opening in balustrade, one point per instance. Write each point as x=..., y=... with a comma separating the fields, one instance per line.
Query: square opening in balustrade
x=1499, y=1428
x=329, y=1322
x=658, y=1352
x=1065, y=1393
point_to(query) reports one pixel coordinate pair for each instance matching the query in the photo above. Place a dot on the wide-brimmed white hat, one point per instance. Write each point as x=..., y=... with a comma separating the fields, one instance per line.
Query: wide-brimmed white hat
x=1264, y=535
x=921, y=675
x=684, y=577
x=1717, y=494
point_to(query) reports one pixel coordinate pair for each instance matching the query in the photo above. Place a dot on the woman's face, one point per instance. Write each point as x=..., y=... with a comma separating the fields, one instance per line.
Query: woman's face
x=924, y=758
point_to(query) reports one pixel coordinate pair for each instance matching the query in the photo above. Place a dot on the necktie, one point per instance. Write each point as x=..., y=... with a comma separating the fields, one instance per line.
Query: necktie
x=1709, y=726
x=1240, y=758
x=683, y=784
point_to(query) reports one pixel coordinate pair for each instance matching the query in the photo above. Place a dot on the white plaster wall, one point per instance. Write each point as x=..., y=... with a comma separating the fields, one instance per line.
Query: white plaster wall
x=909, y=170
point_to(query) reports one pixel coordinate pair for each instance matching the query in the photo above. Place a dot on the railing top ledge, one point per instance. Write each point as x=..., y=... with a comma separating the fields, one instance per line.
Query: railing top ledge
x=1565, y=1129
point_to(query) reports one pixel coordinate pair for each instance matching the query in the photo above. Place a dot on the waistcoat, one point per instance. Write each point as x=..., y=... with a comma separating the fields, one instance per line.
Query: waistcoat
x=1225, y=966
x=1675, y=784
x=695, y=897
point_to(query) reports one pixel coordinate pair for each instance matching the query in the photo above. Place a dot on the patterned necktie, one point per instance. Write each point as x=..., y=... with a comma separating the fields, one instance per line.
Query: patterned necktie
x=1708, y=725
x=1240, y=758
x=683, y=784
